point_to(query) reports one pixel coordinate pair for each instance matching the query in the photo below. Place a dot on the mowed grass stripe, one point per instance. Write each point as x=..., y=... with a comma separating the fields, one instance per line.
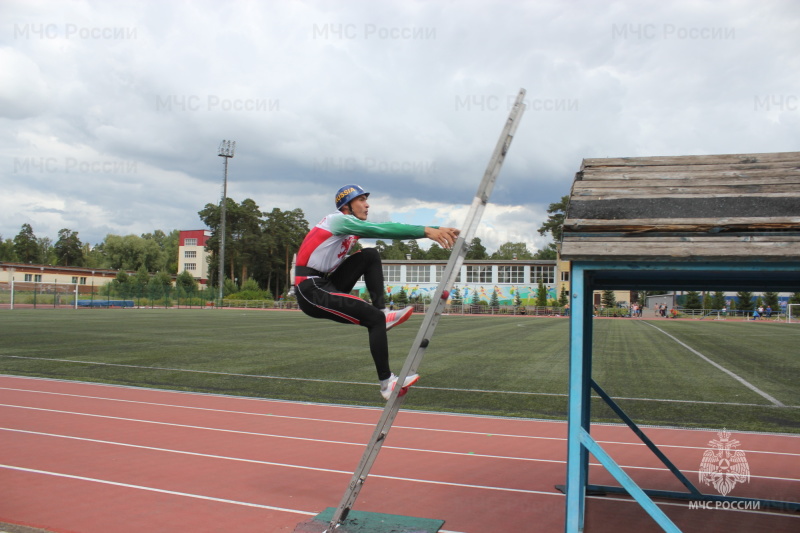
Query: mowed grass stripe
x=520, y=355
x=763, y=353
x=721, y=368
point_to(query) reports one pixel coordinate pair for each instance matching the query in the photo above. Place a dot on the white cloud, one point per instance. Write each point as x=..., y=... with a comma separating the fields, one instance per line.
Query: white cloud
x=405, y=98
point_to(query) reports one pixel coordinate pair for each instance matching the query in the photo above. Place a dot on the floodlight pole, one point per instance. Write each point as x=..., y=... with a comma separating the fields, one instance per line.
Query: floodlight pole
x=226, y=149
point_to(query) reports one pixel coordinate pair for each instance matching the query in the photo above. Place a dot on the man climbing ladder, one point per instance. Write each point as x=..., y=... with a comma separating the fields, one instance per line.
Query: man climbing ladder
x=325, y=274
x=431, y=319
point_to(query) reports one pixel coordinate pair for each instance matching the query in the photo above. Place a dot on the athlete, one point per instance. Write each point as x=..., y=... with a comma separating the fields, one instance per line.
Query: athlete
x=325, y=274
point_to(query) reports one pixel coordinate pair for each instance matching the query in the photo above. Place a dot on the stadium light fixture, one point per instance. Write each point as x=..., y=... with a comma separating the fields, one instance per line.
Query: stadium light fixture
x=226, y=150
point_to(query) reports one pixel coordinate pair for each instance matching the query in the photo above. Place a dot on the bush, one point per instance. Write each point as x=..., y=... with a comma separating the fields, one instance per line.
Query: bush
x=250, y=294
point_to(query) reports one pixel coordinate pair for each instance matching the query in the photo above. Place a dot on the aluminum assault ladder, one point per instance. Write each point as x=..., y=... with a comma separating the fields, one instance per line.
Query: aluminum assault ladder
x=433, y=314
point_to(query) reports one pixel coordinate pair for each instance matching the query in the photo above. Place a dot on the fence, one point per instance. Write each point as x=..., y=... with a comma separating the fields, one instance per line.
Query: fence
x=39, y=295
x=478, y=309
x=35, y=295
x=698, y=314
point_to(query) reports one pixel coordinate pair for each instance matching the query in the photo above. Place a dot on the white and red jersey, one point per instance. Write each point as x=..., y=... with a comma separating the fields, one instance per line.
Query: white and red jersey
x=327, y=244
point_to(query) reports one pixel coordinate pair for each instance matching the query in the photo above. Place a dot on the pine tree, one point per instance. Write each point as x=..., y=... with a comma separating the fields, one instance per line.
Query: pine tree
x=402, y=298
x=541, y=295
x=26, y=246
x=771, y=299
x=745, y=300
x=608, y=299
x=693, y=300
x=718, y=300
x=493, y=301
x=563, y=299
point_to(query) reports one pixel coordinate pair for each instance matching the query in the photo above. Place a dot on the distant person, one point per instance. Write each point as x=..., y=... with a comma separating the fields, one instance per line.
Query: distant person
x=325, y=274
x=769, y=311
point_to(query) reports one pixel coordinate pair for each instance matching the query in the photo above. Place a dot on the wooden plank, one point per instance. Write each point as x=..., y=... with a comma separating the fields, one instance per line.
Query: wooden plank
x=763, y=191
x=789, y=174
x=696, y=181
x=690, y=186
x=694, y=159
x=698, y=168
x=658, y=195
x=682, y=207
x=646, y=250
x=637, y=226
x=704, y=240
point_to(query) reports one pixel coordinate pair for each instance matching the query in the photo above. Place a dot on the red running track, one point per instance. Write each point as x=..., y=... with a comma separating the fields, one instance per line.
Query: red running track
x=89, y=458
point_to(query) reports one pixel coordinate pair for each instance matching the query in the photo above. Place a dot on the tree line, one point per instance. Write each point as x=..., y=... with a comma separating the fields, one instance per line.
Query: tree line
x=712, y=300
x=259, y=246
x=156, y=252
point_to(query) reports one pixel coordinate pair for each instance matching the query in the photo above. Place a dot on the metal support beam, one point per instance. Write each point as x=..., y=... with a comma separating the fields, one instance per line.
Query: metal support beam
x=590, y=276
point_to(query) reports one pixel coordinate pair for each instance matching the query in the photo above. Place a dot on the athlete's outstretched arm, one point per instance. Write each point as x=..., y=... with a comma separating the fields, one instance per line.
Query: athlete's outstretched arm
x=446, y=237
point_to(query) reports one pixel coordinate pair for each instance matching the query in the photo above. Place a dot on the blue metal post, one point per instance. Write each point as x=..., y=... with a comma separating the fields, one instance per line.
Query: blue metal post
x=579, y=397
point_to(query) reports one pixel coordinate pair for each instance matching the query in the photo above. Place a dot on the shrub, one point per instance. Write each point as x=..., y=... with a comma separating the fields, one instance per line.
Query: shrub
x=250, y=294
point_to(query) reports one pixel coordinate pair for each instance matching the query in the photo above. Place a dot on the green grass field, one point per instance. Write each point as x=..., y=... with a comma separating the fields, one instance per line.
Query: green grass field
x=507, y=366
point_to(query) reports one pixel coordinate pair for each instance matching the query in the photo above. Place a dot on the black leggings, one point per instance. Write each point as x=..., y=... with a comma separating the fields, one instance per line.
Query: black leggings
x=331, y=299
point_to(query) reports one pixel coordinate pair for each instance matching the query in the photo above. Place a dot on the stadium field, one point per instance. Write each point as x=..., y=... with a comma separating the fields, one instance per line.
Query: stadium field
x=739, y=375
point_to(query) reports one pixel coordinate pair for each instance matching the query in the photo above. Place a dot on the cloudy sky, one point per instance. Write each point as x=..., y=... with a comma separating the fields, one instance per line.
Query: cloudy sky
x=112, y=112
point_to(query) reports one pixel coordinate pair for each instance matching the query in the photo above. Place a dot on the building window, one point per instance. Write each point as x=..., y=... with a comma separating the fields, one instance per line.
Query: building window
x=565, y=276
x=439, y=273
x=479, y=274
x=391, y=273
x=418, y=273
x=37, y=278
x=83, y=281
x=190, y=242
x=189, y=254
x=511, y=274
x=74, y=280
x=28, y=277
x=190, y=266
x=544, y=274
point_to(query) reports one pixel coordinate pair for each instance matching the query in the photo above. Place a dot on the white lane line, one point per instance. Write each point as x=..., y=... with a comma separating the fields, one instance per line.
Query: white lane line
x=720, y=367
x=394, y=478
x=318, y=469
x=324, y=420
x=153, y=489
x=296, y=511
x=361, y=383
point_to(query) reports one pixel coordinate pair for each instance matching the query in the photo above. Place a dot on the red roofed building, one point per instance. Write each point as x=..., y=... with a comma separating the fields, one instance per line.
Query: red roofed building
x=192, y=254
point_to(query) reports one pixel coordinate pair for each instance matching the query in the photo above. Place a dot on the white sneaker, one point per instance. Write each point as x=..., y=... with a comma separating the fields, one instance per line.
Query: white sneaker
x=395, y=318
x=388, y=385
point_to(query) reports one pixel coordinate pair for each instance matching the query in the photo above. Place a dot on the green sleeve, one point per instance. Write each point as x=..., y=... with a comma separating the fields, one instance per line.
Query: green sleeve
x=350, y=225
